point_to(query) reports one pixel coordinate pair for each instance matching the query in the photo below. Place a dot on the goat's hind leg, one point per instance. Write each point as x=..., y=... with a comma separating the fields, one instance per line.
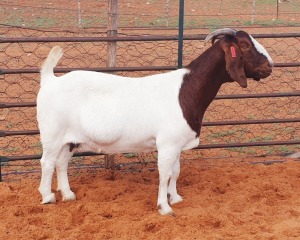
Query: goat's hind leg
x=47, y=164
x=62, y=174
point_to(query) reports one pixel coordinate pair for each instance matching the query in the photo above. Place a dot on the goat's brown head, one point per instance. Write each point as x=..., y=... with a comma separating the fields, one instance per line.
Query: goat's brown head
x=244, y=56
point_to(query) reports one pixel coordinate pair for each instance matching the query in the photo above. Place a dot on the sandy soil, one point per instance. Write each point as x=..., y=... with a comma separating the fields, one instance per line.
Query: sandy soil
x=223, y=199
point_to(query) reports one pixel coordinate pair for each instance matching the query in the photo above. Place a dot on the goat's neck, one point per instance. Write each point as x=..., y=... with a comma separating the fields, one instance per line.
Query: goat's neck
x=200, y=86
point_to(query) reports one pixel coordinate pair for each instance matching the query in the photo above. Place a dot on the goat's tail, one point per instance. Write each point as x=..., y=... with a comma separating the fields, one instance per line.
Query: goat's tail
x=51, y=61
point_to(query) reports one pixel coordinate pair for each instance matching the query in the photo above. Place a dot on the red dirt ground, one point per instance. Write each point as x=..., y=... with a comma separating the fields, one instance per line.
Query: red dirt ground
x=223, y=199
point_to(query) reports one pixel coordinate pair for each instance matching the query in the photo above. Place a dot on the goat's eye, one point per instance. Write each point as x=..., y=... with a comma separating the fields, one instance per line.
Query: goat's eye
x=244, y=45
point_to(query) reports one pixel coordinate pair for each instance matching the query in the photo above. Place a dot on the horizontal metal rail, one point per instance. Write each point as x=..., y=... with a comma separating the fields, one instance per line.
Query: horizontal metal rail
x=258, y=95
x=204, y=146
x=249, y=122
x=113, y=69
x=101, y=69
x=130, y=38
x=17, y=104
x=206, y=124
x=218, y=97
x=33, y=157
x=100, y=39
x=18, y=133
x=248, y=144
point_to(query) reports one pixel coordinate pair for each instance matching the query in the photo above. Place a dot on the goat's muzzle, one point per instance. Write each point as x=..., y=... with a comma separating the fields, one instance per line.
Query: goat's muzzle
x=262, y=71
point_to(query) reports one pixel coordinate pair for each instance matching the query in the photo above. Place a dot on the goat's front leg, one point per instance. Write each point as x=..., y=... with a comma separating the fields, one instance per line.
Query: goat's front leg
x=173, y=196
x=166, y=158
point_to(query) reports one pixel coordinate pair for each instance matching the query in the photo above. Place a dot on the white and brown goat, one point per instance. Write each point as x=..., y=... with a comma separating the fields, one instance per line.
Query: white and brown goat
x=105, y=113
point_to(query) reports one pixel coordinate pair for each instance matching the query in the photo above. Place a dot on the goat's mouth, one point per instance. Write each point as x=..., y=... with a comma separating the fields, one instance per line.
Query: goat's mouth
x=261, y=74
x=256, y=78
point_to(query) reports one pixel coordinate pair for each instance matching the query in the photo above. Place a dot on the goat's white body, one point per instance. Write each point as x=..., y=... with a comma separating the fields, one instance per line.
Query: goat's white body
x=111, y=114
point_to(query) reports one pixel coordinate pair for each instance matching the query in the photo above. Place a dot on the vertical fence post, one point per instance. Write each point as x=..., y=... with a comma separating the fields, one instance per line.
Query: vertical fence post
x=253, y=12
x=277, y=9
x=79, y=13
x=180, y=33
x=167, y=12
x=109, y=161
x=112, y=30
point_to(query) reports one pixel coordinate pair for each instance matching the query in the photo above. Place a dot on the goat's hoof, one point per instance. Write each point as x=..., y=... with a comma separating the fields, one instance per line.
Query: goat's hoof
x=175, y=199
x=167, y=210
x=49, y=199
x=68, y=196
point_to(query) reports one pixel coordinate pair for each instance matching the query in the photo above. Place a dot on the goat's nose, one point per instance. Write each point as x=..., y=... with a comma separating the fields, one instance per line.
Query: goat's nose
x=271, y=64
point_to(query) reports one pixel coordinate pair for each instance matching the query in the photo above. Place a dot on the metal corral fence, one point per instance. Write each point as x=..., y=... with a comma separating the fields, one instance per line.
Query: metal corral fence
x=263, y=119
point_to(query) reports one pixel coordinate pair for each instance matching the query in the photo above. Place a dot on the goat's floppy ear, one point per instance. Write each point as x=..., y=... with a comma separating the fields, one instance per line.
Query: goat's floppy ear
x=234, y=63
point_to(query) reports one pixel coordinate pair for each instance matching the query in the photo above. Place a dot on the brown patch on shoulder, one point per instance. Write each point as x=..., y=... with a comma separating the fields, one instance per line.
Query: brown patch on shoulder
x=200, y=86
x=187, y=104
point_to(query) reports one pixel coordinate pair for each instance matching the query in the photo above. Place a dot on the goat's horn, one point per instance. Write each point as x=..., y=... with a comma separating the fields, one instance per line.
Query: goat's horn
x=223, y=31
